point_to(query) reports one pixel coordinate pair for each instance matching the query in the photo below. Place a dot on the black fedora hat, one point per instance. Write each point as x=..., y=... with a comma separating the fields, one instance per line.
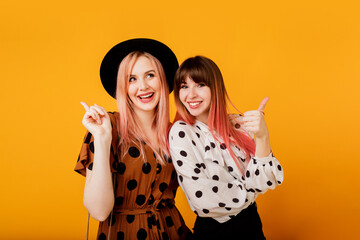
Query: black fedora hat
x=110, y=64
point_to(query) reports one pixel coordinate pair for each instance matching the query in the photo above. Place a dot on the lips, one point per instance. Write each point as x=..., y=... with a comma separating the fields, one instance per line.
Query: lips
x=146, y=97
x=194, y=104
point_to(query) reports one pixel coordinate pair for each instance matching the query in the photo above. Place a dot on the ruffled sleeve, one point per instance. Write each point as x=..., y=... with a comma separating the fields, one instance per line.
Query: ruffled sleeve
x=86, y=155
x=263, y=173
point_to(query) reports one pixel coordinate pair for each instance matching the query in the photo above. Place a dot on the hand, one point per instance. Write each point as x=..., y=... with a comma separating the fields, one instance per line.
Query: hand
x=254, y=122
x=97, y=121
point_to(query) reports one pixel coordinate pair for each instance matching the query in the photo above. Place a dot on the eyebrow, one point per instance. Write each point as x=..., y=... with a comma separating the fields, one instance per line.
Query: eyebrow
x=131, y=75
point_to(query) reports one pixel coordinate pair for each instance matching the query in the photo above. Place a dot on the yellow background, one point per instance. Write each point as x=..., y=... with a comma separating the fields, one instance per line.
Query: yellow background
x=304, y=55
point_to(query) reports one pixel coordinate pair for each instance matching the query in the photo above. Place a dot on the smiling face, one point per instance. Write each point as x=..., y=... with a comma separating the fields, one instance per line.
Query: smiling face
x=144, y=86
x=196, y=97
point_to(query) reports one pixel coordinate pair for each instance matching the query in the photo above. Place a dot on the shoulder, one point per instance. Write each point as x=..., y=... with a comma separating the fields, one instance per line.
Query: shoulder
x=114, y=118
x=180, y=126
x=182, y=133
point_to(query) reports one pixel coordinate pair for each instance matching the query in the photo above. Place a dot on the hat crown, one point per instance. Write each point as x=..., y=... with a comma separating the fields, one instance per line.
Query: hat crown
x=110, y=64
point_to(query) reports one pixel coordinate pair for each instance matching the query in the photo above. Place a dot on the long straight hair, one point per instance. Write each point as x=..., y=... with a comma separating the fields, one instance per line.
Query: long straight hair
x=128, y=128
x=203, y=70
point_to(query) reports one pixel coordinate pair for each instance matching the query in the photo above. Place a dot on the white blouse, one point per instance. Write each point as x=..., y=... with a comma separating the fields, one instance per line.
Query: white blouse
x=209, y=176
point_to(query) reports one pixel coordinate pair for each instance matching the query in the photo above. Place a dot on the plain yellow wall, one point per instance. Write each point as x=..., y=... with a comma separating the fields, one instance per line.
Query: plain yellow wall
x=304, y=55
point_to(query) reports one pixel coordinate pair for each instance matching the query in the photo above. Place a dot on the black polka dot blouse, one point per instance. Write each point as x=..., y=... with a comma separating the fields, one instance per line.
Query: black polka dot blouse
x=213, y=184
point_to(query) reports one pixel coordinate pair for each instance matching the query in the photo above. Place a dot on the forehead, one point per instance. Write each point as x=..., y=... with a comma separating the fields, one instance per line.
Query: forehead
x=142, y=65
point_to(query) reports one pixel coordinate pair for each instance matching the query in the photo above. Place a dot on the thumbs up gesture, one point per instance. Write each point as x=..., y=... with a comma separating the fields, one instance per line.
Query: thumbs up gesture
x=254, y=122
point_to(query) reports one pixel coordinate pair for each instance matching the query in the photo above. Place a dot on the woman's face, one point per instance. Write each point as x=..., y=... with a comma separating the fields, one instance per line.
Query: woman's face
x=144, y=86
x=196, y=97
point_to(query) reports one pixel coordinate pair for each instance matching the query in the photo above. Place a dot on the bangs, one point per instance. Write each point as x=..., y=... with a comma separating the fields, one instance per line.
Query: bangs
x=194, y=69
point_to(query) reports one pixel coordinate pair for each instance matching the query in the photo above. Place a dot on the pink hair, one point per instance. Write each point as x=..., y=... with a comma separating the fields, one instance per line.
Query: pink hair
x=203, y=70
x=128, y=129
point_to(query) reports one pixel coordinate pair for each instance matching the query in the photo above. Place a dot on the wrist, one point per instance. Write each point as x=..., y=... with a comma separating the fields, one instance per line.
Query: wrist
x=103, y=139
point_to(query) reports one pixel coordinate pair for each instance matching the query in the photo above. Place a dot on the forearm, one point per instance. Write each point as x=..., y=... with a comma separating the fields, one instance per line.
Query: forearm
x=98, y=192
x=263, y=147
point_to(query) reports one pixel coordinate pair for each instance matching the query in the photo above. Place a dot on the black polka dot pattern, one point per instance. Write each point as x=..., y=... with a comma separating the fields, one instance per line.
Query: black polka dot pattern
x=200, y=157
x=119, y=201
x=198, y=194
x=169, y=221
x=162, y=187
x=146, y=168
x=120, y=236
x=165, y=236
x=223, y=146
x=90, y=166
x=140, y=200
x=215, y=177
x=141, y=234
x=91, y=147
x=88, y=138
x=132, y=184
x=181, y=134
x=130, y=218
x=183, y=153
x=113, y=220
x=121, y=167
x=102, y=236
x=134, y=152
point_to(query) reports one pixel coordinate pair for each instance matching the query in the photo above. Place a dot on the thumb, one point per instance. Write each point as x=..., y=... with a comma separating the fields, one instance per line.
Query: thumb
x=263, y=104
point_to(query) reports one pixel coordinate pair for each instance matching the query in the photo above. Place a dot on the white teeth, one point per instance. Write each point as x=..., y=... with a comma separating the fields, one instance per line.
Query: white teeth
x=146, y=96
x=194, y=104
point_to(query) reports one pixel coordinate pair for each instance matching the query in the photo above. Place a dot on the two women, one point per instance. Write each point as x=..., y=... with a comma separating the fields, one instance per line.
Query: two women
x=220, y=167
x=130, y=180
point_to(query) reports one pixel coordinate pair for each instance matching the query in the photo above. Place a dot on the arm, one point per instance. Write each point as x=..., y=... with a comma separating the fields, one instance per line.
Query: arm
x=98, y=191
x=264, y=170
x=210, y=188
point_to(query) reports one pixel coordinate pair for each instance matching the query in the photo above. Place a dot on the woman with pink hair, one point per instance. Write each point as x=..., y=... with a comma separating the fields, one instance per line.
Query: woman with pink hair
x=130, y=181
x=220, y=167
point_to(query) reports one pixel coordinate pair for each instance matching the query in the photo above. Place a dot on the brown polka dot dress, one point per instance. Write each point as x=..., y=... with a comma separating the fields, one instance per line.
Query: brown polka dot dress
x=144, y=193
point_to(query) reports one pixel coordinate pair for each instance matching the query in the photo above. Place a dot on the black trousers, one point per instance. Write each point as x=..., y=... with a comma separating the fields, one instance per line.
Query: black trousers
x=244, y=226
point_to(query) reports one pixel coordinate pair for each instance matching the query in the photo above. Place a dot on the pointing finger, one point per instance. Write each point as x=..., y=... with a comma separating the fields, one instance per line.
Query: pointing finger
x=263, y=104
x=85, y=106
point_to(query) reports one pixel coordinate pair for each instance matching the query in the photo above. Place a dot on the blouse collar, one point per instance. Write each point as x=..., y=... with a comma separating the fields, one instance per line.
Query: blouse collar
x=202, y=126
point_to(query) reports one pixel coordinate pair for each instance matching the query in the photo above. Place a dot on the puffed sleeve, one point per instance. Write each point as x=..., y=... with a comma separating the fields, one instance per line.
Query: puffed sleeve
x=86, y=155
x=263, y=173
x=210, y=189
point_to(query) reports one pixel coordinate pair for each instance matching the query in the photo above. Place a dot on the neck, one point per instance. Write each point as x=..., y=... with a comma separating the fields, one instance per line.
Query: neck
x=203, y=118
x=145, y=119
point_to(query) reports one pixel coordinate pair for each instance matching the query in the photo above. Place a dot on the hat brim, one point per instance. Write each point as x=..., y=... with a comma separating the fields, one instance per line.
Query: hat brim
x=110, y=64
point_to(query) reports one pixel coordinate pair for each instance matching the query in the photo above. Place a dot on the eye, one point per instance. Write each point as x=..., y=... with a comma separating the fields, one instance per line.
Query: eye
x=150, y=75
x=183, y=86
x=132, y=79
x=201, y=84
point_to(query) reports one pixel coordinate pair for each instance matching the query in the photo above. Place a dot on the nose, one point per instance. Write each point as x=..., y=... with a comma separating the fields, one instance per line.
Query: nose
x=192, y=92
x=142, y=84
